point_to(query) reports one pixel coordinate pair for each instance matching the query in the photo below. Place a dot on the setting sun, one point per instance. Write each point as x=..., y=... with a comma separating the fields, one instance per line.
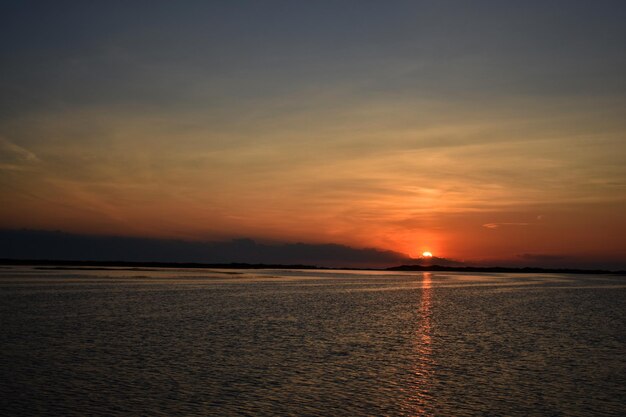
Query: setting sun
x=427, y=254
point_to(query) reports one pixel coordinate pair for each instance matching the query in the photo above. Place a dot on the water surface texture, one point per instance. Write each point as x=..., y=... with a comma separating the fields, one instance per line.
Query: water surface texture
x=165, y=342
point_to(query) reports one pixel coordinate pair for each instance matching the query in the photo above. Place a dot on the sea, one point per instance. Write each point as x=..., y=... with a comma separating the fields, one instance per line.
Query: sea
x=209, y=342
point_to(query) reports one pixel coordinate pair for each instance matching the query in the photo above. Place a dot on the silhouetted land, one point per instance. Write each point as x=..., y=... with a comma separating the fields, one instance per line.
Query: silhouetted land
x=498, y=269
x=103, y=265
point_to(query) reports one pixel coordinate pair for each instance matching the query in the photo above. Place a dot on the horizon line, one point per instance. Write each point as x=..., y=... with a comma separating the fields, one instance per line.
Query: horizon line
x=57, y=264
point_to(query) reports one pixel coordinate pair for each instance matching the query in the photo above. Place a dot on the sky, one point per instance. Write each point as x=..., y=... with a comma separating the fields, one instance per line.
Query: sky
x=480, y=131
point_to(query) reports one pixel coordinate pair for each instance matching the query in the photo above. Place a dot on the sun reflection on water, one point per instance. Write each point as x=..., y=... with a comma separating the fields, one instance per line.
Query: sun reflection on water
x=424, y=362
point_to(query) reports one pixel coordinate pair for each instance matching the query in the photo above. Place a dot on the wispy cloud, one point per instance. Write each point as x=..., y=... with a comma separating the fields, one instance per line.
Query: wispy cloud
x=499, y=225
x=15, y=157
x=541, y=257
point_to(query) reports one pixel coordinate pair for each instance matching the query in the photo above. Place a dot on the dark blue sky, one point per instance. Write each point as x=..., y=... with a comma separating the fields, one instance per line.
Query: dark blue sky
x=155, y=53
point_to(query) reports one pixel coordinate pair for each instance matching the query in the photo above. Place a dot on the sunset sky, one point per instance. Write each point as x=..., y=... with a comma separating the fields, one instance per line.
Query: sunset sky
x=477, y=130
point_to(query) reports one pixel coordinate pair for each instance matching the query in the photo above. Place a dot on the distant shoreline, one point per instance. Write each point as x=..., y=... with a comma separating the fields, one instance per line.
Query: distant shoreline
x=55, y=264
x=502, y=269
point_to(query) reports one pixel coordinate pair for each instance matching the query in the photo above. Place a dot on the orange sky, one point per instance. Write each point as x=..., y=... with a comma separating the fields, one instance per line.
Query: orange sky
x=476, y=143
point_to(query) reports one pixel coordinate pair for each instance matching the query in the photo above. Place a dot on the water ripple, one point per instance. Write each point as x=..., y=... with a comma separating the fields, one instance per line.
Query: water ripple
x=310, y=343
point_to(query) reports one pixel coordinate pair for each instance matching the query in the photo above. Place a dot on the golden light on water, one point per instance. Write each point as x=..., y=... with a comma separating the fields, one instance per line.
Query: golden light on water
x=423, y=370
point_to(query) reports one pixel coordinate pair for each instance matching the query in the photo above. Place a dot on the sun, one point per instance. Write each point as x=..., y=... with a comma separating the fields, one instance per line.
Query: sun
x=427, y=254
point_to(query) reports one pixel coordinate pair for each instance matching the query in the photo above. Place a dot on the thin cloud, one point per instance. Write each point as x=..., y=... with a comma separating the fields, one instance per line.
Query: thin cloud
x=15, y=157
x=499, y=225
x=541, y=257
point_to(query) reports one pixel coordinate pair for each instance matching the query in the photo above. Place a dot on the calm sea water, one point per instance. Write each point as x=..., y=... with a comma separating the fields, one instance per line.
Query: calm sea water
x=310, y=343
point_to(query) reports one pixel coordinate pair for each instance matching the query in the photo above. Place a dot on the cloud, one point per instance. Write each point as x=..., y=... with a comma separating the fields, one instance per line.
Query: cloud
x=541, y=257
x=33, y=244
x=499, y=225
x=15, y=157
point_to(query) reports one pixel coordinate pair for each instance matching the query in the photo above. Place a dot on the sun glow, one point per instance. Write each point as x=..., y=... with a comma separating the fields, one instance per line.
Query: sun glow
x=427, y=254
